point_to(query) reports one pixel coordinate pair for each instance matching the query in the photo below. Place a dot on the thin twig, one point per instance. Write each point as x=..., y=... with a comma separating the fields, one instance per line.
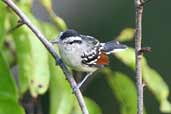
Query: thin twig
x=19, y=24
x=138, y=37
x=52, y=51
x=145, y=49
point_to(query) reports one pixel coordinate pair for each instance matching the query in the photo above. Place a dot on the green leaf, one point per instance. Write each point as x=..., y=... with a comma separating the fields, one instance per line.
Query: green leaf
x=39, y=80
x=40, y=76
x=151, y=77
x=93, y=108
x=126, y=35
x=124, y=90
x=57, y=21
x=49, y=31
x=8, y=87
x=2, y=23
x=8, y=92
x=47, y=4
x=127, y=57
x=23, y=53
x=8, y=52
x=32, y=57
x=61, y=97
x=8, y=106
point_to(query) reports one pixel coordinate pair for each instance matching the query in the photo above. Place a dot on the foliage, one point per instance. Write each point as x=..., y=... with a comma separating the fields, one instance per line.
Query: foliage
x=38, y=73
x=8, y=91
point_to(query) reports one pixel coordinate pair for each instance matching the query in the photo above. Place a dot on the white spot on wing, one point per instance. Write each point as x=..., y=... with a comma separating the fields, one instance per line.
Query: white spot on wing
x=115, y=50
x=93, y=62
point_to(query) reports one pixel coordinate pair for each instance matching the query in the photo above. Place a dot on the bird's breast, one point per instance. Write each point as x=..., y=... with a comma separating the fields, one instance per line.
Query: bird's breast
x=71, y=55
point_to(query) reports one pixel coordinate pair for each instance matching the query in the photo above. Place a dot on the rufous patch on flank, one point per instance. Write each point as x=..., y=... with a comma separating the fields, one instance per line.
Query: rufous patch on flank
x=103, y=60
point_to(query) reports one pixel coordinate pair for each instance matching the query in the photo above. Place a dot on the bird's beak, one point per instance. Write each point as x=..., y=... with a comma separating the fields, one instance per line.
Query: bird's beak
x=56, y=41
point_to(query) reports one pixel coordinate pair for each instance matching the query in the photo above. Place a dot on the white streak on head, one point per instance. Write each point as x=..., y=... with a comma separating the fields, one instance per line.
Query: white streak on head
x=75, y=38
x=71, y=39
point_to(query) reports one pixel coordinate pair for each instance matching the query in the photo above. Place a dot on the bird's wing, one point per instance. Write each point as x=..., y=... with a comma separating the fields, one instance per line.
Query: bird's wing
x=94, y=56
x=91, y=41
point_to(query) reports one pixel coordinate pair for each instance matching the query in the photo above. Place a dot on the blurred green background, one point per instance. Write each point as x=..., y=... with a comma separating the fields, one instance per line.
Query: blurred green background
x=109, y=91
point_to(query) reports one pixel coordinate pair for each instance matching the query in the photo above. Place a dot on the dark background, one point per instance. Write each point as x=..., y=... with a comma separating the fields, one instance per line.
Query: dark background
x=105, y=19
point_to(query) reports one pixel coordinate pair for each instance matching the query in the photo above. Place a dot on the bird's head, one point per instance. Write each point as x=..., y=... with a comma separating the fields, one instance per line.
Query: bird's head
x=69, y=36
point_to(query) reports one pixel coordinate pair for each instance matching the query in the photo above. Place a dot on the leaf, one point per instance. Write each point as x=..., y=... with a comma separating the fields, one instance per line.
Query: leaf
x=49, y=31
x=2, y=23
x=151, y=77
x=32, y=57
x=8, y=91
x=8, y=52
x=124, y=90
x=57, y=21
x=39, y=79
x=47, y=4
x=23, y=53
x=8, y=87
x=93, y=108
x=8, y=106
x=126, y=34
x=61, y=98
x=127, y=57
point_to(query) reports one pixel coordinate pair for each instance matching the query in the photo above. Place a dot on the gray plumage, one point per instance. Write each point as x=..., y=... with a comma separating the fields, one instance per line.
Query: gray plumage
x=81, y=52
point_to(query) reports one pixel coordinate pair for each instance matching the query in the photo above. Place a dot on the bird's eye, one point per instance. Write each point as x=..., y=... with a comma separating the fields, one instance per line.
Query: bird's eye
x=70, y=42
x=75, y=42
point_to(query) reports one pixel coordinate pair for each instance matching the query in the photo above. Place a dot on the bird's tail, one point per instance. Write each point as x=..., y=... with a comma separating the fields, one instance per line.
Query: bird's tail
x=113, y=46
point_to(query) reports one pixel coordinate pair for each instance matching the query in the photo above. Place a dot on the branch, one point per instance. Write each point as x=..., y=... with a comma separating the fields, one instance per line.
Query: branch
x=52, y=51
x=138, y=37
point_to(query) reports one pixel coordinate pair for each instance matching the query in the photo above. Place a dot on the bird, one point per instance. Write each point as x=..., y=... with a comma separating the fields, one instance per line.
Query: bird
x=85, y=53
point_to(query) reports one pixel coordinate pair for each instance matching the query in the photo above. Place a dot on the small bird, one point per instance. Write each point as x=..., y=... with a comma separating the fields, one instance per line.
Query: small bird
x=85, y=53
